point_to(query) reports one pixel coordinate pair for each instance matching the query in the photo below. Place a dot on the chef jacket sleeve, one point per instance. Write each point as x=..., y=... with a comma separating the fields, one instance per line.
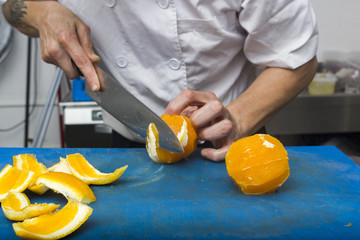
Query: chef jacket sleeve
x=281, y=33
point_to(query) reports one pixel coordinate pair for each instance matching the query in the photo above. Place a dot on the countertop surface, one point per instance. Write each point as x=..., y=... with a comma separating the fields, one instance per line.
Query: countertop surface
x=196, y=199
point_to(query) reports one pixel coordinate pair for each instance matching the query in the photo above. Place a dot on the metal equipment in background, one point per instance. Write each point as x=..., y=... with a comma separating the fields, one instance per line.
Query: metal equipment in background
x=47, y=110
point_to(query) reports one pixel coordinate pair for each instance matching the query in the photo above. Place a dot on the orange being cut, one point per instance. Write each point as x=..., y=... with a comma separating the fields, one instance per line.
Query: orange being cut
x=258, y=164
x=14, y=179
x=54, y=225
x=68, y=185
x=184, y=131
x=86, y=172
x=17, y=207
x=29, y=162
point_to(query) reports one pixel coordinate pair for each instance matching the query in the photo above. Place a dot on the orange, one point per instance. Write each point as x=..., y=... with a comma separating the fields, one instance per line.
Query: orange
x=86, y=172
x=54, y=225
x=258, y=164
x=17, y=207
x=185, y=132
x=14, y=179
x=68, y=185
x=29, y=162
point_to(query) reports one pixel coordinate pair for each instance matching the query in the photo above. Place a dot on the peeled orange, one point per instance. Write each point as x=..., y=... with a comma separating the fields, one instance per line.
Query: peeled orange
x=86, y=172
x=29, y=162
x=14, y=179
x=17, y=207
x=54, y=225
x=68, y=185
x=258, y=164
x=185, y=132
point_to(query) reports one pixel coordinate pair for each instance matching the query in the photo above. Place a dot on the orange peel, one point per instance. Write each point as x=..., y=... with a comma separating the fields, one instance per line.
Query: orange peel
x=29, y=162
x=68, y=185
x=185, y=132
x=14, y=179
x=17, y=207
x=86, y=172
x=61, y=166
x=54, y=225
x=258, y=164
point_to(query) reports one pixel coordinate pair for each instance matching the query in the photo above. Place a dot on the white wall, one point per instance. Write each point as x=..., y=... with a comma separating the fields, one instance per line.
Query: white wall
x=338, y=23
x=13, y=94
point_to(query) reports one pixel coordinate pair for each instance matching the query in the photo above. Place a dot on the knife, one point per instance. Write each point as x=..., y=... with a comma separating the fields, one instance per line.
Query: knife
x=126, y=108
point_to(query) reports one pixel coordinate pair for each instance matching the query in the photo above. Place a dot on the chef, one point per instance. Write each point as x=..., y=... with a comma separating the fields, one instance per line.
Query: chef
x=230, y=65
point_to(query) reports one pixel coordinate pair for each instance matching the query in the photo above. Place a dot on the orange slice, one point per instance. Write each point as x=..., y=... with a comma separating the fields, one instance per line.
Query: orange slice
x=258, y=164
x=29, y=162
x=17, y=207
x=54, y=225
x=184, y=131
x=13, y=179
x=68, y=185
x=86, y=172
x=61, y=166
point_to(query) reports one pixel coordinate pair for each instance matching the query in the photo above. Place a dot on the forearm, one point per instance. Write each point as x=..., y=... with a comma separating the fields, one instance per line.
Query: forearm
x=23, y=15
x=271, y=91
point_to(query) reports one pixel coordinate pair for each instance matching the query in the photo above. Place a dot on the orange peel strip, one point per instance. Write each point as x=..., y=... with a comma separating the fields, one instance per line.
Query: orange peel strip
x=68, y=185
x=54, y=225
x=13, y=179
x=29, y=162
x=83, y=170
x=17, y=207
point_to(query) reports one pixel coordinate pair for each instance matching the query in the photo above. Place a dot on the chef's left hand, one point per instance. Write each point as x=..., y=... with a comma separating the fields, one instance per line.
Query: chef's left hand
x=212, y=119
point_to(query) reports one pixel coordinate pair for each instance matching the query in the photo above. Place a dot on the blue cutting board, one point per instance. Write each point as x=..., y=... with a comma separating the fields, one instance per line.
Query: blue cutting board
x=195, y=198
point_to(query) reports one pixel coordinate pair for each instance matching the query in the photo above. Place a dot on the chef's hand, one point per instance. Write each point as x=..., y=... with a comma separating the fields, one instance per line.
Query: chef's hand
x=212, y=119
x=64, y=38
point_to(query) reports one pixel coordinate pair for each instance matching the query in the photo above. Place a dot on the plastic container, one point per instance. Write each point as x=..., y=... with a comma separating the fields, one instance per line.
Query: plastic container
x=78, y=93
x=322, y=84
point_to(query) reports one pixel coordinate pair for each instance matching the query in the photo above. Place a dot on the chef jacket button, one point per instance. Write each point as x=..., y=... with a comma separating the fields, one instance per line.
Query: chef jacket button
x=110, y=3
x=122, y=61
x=174, y=64
x=163, y=3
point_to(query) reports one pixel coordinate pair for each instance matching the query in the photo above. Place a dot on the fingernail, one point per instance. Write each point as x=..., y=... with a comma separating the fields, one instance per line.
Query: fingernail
x=94, y=87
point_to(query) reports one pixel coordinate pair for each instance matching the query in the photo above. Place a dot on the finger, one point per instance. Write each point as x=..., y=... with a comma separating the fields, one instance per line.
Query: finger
x=69, y=41
x=208, y=113
x=187, y=98
x=84, y=39
x=53, y=53
x=216, y=131
x=189, y=111
x=215, y=155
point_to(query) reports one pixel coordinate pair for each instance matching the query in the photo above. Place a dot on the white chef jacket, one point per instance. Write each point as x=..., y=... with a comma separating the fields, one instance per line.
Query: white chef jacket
x=157, y=48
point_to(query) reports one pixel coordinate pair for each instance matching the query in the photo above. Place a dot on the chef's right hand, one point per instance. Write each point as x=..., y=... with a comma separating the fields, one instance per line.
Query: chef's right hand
x=65, y=40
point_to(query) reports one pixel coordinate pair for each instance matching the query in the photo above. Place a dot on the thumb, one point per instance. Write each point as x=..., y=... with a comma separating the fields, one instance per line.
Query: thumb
x=215, y=155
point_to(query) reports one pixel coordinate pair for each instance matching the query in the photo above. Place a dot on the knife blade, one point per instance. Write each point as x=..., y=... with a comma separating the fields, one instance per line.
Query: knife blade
x=130, y=111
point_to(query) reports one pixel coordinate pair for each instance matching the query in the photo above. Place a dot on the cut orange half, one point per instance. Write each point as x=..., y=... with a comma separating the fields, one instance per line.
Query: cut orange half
x=14, y=179
x=68, y=185
x=17, y=207
x=54, y=225
x=29, y=162
x=86, y=172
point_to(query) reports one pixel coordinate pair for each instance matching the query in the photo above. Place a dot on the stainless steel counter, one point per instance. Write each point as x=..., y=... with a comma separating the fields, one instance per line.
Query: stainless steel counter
x=339, y=113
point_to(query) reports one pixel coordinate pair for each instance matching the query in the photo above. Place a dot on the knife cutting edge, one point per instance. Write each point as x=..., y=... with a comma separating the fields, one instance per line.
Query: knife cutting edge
x=130, y=111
